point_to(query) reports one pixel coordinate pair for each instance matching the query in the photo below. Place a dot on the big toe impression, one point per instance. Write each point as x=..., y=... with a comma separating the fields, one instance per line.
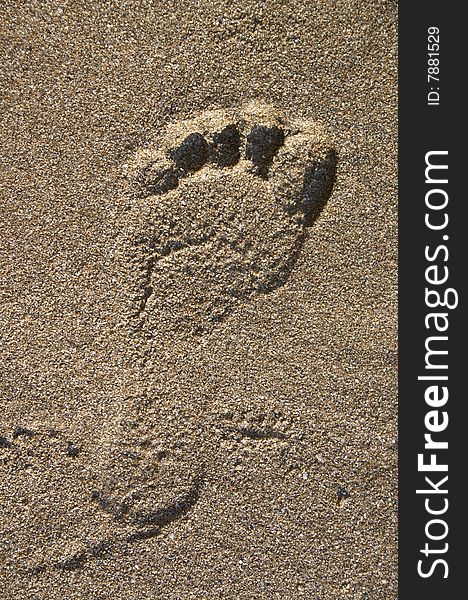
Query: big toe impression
x=303, y=173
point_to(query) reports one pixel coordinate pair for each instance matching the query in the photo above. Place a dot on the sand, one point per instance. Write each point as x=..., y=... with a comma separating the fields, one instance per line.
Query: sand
x=198, y=300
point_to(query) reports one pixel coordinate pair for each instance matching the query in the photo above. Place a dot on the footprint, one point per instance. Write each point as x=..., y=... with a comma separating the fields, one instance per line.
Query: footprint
x=220, y=210
x=148, y=483
x=55, y=520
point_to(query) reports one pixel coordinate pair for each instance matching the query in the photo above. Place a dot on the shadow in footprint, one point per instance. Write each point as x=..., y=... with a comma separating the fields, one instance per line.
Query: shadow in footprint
x=230, y=199
x=319, y=179
x=262, y=145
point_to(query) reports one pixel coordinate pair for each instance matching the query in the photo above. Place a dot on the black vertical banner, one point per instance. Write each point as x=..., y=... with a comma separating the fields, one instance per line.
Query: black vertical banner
x=433, y=240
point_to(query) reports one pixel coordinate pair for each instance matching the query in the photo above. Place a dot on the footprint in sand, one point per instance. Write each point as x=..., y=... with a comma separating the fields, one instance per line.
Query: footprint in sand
x=220, y=213
x=219, y=210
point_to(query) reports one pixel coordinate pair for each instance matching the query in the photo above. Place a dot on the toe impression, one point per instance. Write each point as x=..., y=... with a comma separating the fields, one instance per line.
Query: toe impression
x=302, y=175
